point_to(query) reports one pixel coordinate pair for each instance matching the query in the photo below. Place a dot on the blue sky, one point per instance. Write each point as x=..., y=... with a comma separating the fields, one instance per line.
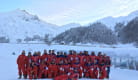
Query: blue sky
x=62, y=12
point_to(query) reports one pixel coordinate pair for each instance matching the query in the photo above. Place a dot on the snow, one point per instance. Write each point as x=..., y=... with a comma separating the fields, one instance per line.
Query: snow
x=23, y=23
x=123, y=74
x=111, y=21
x=117, y=51
x=8, y=68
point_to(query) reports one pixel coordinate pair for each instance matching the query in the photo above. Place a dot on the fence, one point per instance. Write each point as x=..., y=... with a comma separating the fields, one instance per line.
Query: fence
x=125, y=62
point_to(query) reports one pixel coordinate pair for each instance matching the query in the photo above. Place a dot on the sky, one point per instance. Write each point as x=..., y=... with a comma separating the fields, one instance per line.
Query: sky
x=62, y=12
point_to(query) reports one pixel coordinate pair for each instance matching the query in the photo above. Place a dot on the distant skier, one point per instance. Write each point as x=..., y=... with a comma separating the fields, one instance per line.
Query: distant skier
x=13, y=53
x=21, y=61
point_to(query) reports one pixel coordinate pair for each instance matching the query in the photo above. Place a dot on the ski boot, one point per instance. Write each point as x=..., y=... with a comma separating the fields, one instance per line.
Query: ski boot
x=20, y=76
x=25, y=76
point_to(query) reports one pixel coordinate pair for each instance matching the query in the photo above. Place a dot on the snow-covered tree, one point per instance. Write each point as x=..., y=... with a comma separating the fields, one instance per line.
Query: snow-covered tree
x=129, y=34
x=96, y=32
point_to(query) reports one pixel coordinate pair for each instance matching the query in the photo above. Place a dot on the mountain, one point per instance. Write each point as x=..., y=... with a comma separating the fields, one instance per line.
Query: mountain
x=19, y=24
x=111, y=21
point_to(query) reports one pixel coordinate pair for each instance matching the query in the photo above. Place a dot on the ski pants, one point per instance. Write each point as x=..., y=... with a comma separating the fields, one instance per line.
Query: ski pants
x=21, y=70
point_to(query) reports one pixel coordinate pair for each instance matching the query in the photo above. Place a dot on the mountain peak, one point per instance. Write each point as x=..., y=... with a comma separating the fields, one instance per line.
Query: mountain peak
x=19, y=12
x=111, y=21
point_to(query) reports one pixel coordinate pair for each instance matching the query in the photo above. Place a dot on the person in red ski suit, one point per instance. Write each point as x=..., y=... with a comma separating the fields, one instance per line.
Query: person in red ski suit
x=74, y=58
x=43, y=70
x=29, y=59
x=82, y=56
x=100, y=60
x=86, y=69
x=64, y=68
x=32, y=71
x=70, y=56
x=61, y=69
x=21, y=61
x=77, y=68
x=103, y=73
x=108, y=64
x=45, y=57
x=52, y=70
x=93, y=72
x=51, y=58
x=93, y=57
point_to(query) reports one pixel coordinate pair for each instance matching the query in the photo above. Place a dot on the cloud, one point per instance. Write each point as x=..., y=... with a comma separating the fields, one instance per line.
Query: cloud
x=81, y=11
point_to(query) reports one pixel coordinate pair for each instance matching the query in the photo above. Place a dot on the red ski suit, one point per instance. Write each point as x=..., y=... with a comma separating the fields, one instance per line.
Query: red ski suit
x=93, y=59
x=43, y=69
x=77, y=68
x=64, y=69
x=45, y=58
x=76, y=58
x=29, y=60
x=83, y=60
x=52, y=70
x=21, y=61
x=32, y=71
x=36, y=59
x=93, y=72
x=103, y=72
x=71, y=58
x=51, y=58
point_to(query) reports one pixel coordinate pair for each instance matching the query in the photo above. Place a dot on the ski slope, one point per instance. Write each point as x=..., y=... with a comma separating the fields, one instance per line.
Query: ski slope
x=8, y=68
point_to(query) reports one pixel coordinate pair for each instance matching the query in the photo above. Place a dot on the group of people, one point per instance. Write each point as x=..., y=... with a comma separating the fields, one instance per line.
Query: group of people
x=63, y=66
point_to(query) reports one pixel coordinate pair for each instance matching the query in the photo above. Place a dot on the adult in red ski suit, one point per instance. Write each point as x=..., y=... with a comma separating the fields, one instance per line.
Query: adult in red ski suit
x=21, y=61
x=52, y=70
x=77, y=68
x=93, y=72
x=43, y=70
x=29, y=59
x=64, y=68
x=103, y=72
x=108, y=64
x=32, y=71
x=45, y=58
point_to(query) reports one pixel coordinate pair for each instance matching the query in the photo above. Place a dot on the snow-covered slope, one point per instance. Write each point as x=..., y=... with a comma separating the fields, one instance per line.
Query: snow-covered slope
x=111, y=21
x=18, y=24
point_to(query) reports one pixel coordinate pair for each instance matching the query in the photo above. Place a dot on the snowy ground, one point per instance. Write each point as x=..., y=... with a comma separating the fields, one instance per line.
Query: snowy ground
x=8, y=67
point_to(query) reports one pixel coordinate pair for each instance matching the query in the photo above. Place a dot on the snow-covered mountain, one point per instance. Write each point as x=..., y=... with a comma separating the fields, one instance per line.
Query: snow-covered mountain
x=111, y=21
x=18, y=24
